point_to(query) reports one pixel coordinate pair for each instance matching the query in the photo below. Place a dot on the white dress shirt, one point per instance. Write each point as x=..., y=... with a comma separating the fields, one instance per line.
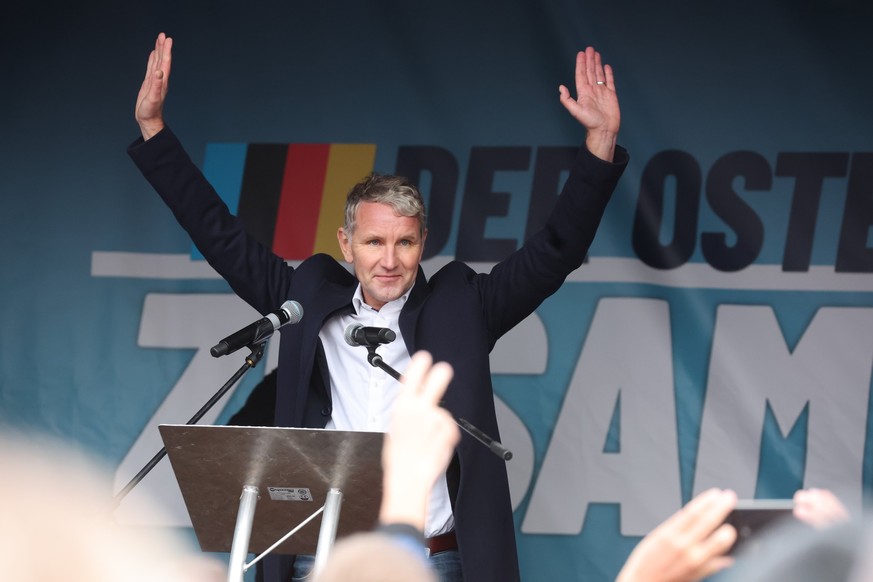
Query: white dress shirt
x=363, y=395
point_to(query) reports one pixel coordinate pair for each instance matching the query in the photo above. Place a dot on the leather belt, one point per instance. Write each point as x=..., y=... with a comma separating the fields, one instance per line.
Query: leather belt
x=442, y=543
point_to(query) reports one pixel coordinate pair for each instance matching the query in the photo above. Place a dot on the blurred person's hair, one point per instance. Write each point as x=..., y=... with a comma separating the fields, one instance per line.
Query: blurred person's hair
x=794, y=552
x=57, y=523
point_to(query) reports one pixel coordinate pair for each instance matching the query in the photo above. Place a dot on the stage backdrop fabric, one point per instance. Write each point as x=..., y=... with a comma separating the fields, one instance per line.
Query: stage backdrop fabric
x=720, y=334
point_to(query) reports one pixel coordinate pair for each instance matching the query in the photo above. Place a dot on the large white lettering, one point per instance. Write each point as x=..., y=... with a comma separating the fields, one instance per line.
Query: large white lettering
x=626, y=361
x=751, y=367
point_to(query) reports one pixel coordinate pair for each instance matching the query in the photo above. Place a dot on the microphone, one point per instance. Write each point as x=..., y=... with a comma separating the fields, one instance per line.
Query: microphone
x=358, y=335
x=259, y=331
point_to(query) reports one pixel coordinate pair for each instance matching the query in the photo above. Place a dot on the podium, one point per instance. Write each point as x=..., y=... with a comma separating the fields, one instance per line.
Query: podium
x=254, y=489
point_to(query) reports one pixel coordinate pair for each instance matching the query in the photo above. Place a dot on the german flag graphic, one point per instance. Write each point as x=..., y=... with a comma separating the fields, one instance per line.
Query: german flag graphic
x=289, y=196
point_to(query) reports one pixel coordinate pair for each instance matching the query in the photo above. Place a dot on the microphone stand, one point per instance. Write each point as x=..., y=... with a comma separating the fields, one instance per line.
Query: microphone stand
x=495, y=447
x=250, y=362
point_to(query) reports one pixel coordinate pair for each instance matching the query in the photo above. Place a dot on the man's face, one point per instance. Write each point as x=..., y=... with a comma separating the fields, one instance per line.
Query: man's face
x=385, y=251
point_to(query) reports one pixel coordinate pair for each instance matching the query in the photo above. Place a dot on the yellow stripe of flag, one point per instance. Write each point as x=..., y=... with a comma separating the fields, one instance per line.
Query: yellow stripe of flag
x=347, y=164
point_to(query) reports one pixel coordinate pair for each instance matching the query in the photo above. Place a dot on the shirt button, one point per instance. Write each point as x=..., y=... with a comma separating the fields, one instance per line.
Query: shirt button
x=325, y=411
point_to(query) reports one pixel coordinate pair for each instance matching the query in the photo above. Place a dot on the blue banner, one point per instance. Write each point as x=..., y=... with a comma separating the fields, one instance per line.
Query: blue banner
x=720, y=333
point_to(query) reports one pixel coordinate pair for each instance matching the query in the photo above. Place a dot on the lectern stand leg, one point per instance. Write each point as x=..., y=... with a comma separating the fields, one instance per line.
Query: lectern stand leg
x=329, y=521
x=242, y=532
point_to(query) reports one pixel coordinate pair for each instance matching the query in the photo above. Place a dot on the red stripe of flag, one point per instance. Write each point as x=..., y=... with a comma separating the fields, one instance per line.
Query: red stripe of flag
x=300, y=203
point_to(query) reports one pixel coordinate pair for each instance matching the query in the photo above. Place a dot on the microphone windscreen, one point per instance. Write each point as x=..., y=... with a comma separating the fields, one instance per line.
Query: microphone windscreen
x=294, y=311
x=349, y=334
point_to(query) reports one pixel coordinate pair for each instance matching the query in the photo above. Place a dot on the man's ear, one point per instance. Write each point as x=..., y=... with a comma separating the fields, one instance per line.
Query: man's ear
x=345, y=244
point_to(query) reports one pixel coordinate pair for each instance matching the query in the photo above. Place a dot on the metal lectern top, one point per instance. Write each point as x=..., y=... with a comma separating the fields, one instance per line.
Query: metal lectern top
x=292, y=468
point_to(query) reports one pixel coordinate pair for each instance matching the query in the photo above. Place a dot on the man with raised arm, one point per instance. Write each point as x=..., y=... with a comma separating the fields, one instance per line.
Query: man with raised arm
x=457, y=315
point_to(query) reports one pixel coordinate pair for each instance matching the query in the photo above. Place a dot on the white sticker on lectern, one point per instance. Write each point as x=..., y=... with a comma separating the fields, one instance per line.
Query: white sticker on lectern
x=290, y=493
